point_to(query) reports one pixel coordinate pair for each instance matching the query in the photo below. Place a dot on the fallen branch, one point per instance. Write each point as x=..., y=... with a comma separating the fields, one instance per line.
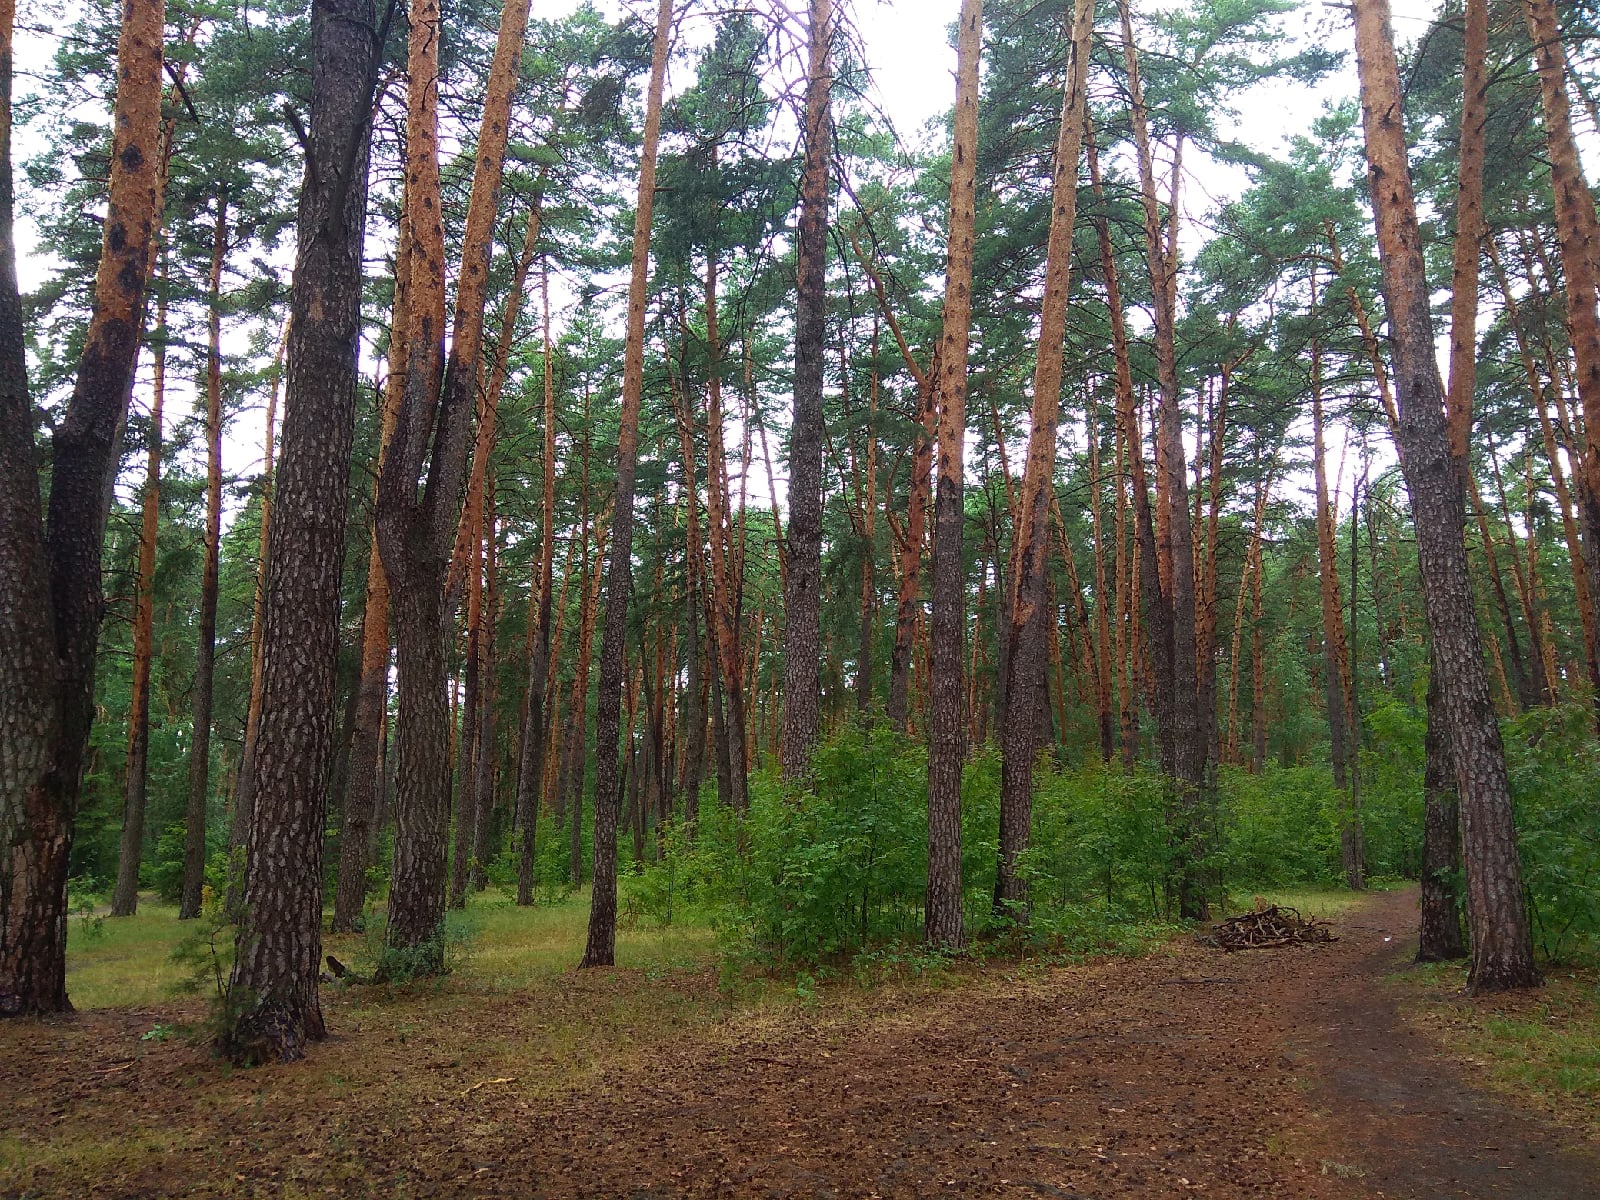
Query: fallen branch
x=1270, y=928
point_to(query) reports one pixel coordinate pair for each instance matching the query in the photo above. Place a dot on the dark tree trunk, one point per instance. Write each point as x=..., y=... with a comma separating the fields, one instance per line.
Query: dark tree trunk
x=32, y=832
x=802, y=595
x=420, y=489
x=1502, y=952
x=1441, y=938
x=276, y=1010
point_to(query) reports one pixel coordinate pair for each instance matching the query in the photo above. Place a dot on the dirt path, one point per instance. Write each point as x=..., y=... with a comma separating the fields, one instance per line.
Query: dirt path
x=1273, y=1074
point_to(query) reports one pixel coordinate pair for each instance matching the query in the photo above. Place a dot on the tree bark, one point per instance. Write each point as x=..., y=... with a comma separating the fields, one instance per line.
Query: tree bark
x=1031, y=548
x=1441, y=938
x=802, y=596
x=273, y=998
x=416, y=529
x=942, y=919
x=601, y=948
x=32, y=831
x=1502, y=955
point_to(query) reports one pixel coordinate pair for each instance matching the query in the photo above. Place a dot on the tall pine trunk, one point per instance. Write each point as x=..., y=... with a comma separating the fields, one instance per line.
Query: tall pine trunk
x=1578, y=231
x=1188, y=817
x=1502, y=950
x=1031, y=546
x=275, y=1009
x=419, y=491
x=802, y=595
x=942, y=918
x=601, y=947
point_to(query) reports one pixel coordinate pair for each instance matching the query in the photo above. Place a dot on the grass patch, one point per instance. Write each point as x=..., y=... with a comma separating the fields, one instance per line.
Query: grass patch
x=1542, y=1047
x=1328, y=903
x=125, y=962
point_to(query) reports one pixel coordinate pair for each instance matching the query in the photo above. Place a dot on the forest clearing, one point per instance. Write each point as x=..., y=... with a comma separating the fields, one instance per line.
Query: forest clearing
x=1302, y=1072
x=808, y=597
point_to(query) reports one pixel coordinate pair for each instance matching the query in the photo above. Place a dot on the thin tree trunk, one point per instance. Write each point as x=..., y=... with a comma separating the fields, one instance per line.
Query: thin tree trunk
x=600, y=950
x=724, y=602
x=1188, y=745
x=125, y=898
x=194, y=841
x=1335, y=660
x=1578, y=231
x=535, y=744
x=1502, y=955
x=279, y=942
x=244, y=784
x=942, y=924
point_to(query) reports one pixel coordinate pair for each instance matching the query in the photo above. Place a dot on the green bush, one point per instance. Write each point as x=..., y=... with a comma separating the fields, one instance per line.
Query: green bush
x=1555, y=784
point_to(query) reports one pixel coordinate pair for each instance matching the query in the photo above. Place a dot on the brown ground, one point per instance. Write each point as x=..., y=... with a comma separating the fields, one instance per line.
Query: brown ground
x=1269, y=1073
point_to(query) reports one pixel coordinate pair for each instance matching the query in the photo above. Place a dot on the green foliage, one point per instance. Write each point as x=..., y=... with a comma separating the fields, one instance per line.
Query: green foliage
x=1555, y=783
x=165, y=868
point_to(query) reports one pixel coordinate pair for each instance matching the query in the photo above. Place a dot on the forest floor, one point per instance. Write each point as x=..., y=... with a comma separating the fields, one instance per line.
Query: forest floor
x=1316, y=1071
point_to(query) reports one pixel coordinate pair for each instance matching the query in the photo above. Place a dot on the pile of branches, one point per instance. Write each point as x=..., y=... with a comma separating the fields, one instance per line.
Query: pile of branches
x=1270, y=927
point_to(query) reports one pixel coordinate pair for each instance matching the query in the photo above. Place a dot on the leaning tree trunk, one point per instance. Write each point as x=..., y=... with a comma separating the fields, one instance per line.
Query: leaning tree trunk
x=1031, y=548
x=275, y=1009
x=942, y=913
x=125, y=898
x=1502, y=949
x=50, y=699
x=601, y=949
x=194, y=840
x=802, y=595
